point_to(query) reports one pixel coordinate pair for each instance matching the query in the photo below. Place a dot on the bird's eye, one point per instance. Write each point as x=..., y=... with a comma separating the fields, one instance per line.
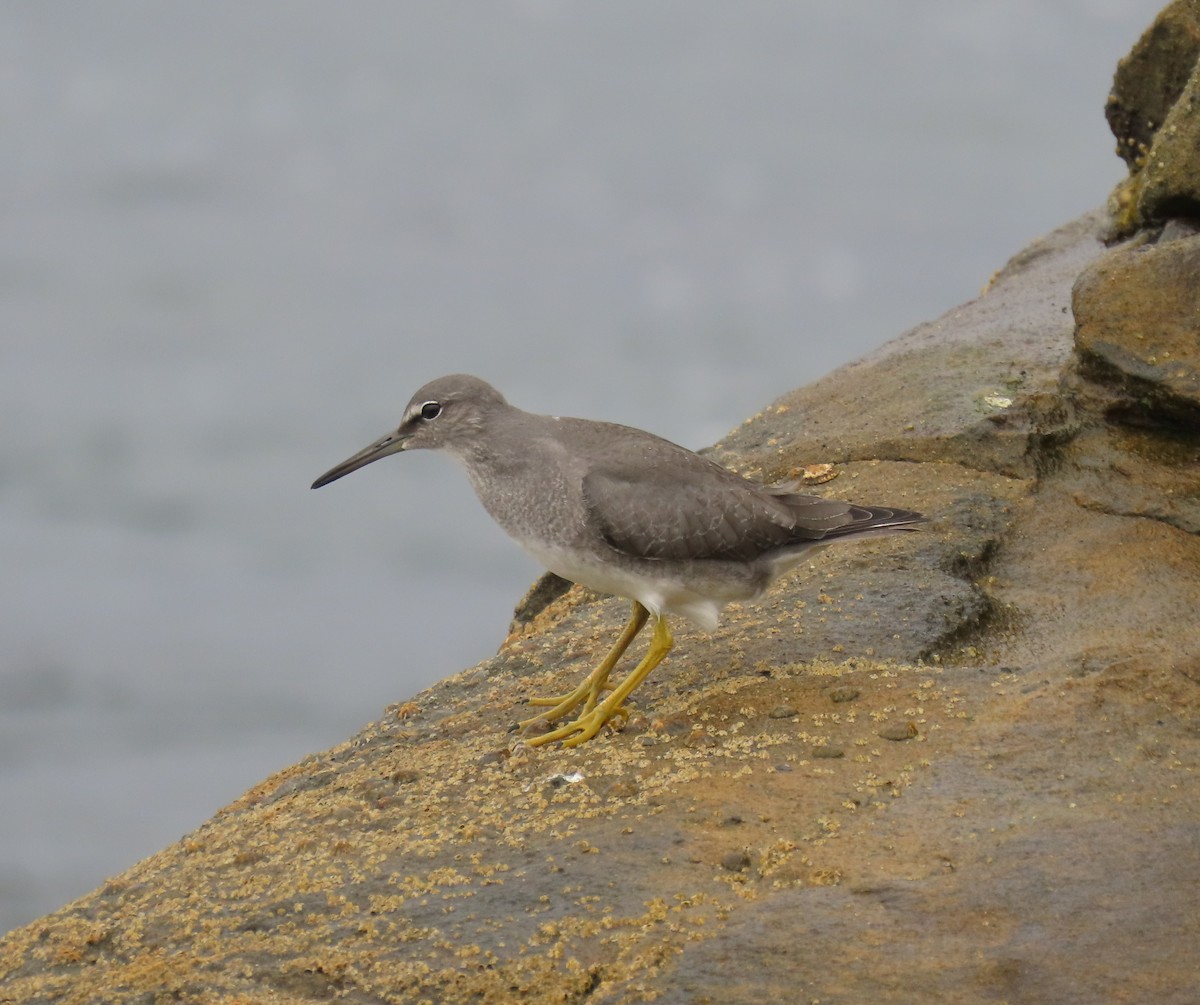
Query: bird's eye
x=431, y=410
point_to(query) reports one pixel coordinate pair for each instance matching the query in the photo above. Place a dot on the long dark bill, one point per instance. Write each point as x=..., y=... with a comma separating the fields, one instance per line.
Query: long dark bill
x=390, y=444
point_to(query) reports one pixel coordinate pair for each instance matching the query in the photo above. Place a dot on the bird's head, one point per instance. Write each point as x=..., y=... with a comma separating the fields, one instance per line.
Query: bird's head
x=447, y=413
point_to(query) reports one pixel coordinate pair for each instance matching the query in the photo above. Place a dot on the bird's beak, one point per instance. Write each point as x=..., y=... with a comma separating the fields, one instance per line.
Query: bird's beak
x=393, y=443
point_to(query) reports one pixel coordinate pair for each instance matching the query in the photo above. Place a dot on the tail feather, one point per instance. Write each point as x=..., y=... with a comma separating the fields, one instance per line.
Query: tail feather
x=861, y=522
x=818, y=519
x=878, y=519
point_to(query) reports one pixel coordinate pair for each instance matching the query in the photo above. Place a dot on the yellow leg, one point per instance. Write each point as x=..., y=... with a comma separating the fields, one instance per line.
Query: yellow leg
x=589, y=724
x=596, y=682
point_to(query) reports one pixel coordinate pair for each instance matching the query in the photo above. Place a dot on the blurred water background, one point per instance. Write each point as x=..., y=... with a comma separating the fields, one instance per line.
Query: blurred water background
x=236, y=236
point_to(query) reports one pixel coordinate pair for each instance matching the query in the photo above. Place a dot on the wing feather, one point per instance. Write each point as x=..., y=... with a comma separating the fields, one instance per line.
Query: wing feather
x=694, y=515
x=657, y=500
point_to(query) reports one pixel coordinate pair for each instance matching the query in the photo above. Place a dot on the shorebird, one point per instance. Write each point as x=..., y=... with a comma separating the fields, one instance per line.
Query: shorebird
x=621, y=511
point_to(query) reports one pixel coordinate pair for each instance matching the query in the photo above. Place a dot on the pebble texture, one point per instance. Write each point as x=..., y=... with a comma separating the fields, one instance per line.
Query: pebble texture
x=959, y=765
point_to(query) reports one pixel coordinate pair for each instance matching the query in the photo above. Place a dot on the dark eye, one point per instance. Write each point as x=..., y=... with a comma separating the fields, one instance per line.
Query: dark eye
x=431, y=410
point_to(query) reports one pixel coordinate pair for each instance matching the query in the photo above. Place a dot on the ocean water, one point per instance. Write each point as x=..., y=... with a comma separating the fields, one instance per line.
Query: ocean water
x=238, y=236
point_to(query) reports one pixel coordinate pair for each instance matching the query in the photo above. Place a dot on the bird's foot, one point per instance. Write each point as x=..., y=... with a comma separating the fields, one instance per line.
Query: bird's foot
x=581, y=730
x=588, y=692
x=552, y=701
x=597, y=713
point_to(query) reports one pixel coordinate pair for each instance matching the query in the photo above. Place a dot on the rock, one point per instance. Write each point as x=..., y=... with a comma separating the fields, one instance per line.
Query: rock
x=546, y=589
x=736, y=861
x=1039, y=637
x=1137, y=316
x=1150, y=80
x=1037, y=643
x=950, y=379
x=899, y=731
x=1154, y=114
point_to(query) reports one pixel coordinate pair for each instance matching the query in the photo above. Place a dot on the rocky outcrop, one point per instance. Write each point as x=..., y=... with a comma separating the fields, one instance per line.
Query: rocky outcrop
x=1138, y=337
x=960, y=765
x=1154, y=112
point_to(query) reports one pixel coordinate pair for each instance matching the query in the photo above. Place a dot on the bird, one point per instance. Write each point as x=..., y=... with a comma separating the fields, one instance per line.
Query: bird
x=621, y=511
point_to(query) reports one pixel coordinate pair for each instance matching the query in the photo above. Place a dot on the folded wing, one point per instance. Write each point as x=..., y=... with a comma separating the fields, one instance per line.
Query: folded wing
x=690, y=514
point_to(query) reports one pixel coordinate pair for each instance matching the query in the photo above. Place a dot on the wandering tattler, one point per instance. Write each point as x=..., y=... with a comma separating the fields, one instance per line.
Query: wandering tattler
x=621, y=511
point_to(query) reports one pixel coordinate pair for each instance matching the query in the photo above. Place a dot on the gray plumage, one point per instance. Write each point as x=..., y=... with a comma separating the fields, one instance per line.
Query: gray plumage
x=620, y=510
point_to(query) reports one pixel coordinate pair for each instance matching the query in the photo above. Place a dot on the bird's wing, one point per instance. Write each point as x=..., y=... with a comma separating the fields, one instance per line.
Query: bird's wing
x=701, y=512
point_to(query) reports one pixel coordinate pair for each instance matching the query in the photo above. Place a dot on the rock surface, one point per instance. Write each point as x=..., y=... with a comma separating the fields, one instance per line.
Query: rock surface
x=1154, y=112
x=960, y=765
x=1138, y=315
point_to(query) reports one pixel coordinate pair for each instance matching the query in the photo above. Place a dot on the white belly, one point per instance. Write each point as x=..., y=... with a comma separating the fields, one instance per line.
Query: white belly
x=659, y=595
